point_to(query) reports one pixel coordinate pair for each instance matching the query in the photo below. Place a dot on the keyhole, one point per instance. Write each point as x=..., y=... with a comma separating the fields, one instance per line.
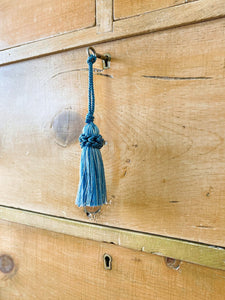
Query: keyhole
x=106, y=62
x=107, y=261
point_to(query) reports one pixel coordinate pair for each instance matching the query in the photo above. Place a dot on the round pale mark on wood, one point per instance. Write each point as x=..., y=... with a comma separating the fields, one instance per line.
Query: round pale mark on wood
x=67, y=126
x=6, y=263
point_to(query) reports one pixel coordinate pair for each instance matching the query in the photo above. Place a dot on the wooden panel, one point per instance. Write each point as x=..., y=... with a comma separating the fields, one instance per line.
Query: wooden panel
x=171, y=17
x=104, y=15
x=198, y=253
x=127, y=8
x=25, y=21
x=161, y=109
x=58, y=266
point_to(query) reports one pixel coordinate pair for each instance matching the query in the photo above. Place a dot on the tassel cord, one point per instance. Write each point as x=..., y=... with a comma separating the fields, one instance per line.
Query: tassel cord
x=91, y=95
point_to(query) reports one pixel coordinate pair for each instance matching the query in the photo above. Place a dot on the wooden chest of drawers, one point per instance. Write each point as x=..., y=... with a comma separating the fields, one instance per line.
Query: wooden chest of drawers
x=161, y=109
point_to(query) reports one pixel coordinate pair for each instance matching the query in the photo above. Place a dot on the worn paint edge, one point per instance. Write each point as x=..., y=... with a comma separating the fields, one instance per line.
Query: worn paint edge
x=197, y=253
x=175, y=16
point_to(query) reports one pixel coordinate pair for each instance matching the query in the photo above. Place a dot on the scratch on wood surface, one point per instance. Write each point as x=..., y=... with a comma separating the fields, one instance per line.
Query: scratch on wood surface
x=175, y=78
x=69, y=71
x=188, y=1
x=106, y=75
x=204, y=227
x=157, y=253
x=96, y=72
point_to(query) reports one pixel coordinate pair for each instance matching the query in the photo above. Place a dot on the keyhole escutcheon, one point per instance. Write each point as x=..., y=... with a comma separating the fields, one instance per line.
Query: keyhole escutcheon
x=107, y=261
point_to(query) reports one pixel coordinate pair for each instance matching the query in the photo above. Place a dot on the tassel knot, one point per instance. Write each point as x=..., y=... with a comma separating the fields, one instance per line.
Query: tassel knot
x=94, y=141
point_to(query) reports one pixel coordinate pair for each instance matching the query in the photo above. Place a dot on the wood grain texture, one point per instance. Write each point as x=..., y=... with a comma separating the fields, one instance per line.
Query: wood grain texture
x=104, y=15
x=162, y=114
x=26, y=21
x=188, y=13
x=55, y=266
x=205, y=255
x=128, y=8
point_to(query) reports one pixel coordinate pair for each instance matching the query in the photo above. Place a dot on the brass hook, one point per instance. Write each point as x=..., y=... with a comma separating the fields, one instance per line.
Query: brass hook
x=106, y=58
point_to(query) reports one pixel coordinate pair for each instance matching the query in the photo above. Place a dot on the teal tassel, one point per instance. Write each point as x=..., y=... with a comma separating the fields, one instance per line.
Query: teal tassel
x=92, y=186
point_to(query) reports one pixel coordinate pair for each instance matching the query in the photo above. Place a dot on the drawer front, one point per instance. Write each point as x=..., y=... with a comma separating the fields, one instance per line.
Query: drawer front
x=26, y=21
x=160, y=107
x=128, y=8
x=47, y=265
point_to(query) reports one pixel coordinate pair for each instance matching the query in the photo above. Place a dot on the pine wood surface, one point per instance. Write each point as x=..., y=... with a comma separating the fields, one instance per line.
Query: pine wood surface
x=174, y=16
x=26, y=21
x=48, y=265
x=128, y=8
x=197, y=253
x=161, y=109
x=104, y=16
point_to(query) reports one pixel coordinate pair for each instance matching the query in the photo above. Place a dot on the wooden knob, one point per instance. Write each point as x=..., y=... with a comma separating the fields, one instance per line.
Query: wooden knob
x=6, y=263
